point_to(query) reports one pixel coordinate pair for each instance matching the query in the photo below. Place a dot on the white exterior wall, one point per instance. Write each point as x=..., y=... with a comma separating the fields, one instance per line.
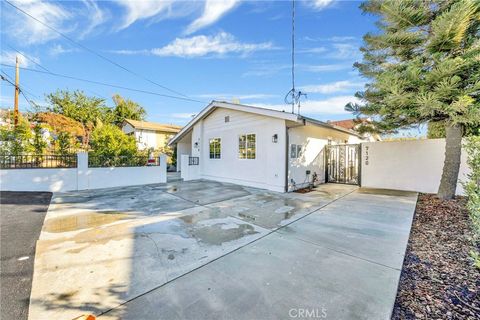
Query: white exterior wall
x=407, y=165
x=81, y=178
x=189, y=172
x=266, y=171
x=183, y=148
x=146, y=139
x=313, y=140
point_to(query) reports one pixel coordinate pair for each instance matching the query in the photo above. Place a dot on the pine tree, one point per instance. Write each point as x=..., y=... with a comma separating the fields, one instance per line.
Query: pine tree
x=423, y=65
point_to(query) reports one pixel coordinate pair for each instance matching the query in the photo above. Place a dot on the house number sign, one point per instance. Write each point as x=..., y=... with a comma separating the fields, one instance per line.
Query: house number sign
x=366, y=155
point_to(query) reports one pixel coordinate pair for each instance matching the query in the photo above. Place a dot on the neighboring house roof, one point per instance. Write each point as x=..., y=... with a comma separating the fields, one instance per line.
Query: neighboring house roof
x=145, y=125
x=61, y=123
x=347, y=123
x=257, y=110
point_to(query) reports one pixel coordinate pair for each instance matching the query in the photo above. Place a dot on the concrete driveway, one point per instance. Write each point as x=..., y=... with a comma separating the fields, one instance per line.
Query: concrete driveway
x=205, y=249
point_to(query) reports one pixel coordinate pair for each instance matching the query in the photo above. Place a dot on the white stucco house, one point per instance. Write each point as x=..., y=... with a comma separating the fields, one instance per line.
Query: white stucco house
x=150, y=135
x=256, y=147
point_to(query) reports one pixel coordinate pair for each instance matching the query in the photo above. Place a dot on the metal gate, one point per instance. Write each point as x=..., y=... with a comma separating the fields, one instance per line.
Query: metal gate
x=343, y=164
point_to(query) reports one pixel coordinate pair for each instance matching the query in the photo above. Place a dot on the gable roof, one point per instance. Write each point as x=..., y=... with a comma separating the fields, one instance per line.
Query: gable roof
x=146, y=125
x=256, y=110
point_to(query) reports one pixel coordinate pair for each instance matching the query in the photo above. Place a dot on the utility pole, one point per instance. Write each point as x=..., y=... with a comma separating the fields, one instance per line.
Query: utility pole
x=17, y=91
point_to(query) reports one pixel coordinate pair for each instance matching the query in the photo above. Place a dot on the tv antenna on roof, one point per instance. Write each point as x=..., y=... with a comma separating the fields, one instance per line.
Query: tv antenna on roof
x=293, y=96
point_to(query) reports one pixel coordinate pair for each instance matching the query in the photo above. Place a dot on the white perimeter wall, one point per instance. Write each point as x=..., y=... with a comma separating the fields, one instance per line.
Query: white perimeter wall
x=407, y=165
x=266, y=171
x=313, y=140
x=81, y=178
x=183, y=148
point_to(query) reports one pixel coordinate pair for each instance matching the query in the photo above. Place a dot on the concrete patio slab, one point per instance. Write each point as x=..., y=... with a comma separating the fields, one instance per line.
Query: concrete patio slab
x=274, y=278
x=368, y=226
x=296, y=271
x=100, y=249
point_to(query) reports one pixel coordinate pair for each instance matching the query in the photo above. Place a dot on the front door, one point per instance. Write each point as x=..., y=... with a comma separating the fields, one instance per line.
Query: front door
x=342, y=164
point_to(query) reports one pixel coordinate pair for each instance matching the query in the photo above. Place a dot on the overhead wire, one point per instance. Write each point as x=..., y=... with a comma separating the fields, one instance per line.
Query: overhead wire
x=105, y=84
x=19, y=89
x=94, y=52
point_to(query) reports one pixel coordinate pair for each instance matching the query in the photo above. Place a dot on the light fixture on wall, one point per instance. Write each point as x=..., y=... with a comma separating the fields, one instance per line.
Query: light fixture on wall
x=195, y=145
x=275, y=138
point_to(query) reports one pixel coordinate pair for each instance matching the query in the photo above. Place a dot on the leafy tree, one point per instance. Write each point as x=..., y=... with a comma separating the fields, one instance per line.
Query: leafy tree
x=436, y=130
x=126, y=109
x=89, y=111
x=39, y=144
x=66, y=143
x=110, y=146
x=423, y=65
x=16, y=140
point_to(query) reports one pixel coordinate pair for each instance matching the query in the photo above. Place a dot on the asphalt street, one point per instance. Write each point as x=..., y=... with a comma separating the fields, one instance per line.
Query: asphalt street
x=21, y=220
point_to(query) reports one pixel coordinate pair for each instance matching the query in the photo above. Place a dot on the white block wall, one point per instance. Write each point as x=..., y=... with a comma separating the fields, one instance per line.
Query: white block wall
x=81, y=178
x=407, y=165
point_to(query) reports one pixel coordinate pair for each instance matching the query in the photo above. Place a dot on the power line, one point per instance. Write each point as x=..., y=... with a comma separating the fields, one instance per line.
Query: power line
x=106, y=84
x=94, y=52
x=27, y=57
x=13, y=84
x=19, y=89
x=39, y=65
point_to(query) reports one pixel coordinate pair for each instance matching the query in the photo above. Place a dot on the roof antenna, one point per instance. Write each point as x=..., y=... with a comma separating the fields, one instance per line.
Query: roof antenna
x=293, y=97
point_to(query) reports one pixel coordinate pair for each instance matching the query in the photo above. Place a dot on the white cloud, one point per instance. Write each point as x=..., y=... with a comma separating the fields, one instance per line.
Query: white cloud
x=324, y=67
x=212, y=12
x=96, y=17
x=29, y=30
x=8, y=57
x=345, y=51
x=333, y=87
x=312, y=50
x=199, y=46
x=58, y=49
x=327, y=107
x=140, y=10
x=319, y=4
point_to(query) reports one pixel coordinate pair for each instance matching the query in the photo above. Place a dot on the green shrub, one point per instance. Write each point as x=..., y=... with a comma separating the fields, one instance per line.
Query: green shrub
x=472, y=188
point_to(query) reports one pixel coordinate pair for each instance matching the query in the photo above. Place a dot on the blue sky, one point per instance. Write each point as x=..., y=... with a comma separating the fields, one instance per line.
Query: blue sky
x=203, y=49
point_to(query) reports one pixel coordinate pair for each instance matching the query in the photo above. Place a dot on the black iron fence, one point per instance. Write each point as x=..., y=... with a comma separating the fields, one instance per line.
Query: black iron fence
x=38, y=161
x=121, y=161
x=193, y=161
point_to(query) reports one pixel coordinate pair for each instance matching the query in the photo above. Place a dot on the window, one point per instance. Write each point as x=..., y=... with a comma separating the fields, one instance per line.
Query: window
x=295, y=151
x=247, y=146
x=215, y=148
x=227, y=119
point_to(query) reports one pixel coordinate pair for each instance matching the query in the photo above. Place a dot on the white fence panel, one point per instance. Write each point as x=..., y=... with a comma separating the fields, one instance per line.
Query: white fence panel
x=413, y=165
x=82, y=177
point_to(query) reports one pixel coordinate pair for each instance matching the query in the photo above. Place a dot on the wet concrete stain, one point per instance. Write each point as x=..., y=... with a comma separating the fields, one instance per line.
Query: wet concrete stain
x=217, y=235
x=84, y=220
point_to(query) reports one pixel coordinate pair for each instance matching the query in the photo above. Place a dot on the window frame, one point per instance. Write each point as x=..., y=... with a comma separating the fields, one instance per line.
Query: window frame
x=239, y=154
x=296, y=151
x=215, y=140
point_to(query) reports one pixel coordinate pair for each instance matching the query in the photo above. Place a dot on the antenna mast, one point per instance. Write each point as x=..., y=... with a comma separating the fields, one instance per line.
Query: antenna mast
x=293, y=56
x=293, y=97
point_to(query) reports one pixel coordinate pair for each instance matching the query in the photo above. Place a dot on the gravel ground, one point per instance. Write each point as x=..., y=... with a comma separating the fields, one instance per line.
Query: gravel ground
x=438, y=280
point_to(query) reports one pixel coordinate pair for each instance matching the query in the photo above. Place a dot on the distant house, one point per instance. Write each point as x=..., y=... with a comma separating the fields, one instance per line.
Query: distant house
x=150, y=134
x=262, y=148
x=353, y=124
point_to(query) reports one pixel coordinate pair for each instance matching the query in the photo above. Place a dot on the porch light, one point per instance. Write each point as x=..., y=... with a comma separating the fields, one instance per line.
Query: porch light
x=275, y=138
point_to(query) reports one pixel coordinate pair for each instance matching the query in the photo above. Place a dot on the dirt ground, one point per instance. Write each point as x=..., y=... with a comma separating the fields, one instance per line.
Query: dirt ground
x=438, y=279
